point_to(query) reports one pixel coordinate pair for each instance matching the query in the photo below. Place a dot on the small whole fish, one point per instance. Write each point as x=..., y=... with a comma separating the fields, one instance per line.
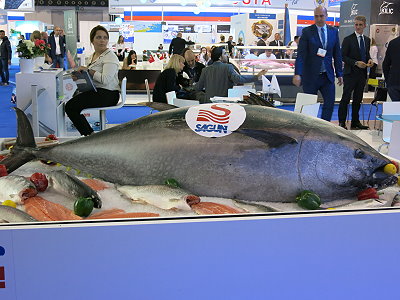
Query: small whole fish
x=71, y=186
x=16, y=188
x=10, y=214
x=162, y=196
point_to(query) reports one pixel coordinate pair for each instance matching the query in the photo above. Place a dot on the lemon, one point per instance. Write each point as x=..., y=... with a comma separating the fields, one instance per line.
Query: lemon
x=9, y=203
x=390, y=169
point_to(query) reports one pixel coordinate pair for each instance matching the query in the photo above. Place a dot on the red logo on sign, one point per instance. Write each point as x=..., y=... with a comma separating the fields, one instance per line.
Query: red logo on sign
x=210, y=116
x=2, y=278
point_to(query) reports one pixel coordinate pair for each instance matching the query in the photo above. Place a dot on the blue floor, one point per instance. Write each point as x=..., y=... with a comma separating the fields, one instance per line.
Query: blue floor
x=8, y=126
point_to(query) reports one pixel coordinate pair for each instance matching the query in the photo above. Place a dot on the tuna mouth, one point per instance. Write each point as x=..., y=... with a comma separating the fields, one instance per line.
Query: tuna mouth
x=381, y=179
x=28, y=193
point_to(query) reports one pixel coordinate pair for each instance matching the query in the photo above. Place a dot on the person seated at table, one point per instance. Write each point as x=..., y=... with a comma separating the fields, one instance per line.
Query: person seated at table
x=103, y=68
x=221, y=76
x=130, y=61
x=253, y=54
x=192, y=67
x=267, y=55
x=204, y=56
x=167, y=80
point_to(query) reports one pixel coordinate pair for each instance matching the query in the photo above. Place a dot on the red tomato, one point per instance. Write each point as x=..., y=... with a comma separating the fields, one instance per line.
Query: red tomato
x=51, y=137
x=40, y=181
x=2, y=157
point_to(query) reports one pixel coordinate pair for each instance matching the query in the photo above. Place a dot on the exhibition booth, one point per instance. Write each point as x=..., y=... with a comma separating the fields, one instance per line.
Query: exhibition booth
x=163, y=244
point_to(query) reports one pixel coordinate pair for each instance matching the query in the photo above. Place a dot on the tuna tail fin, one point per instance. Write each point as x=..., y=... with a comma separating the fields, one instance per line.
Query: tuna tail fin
x=22, y=152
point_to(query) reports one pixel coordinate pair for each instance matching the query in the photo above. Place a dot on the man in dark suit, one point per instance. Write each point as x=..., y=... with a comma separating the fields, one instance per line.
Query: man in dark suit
x=318, y=46
x=57, y=51
x=263, y=40
x=355, y=54
x=178, y=44
x=391, y=69
x=277, y=42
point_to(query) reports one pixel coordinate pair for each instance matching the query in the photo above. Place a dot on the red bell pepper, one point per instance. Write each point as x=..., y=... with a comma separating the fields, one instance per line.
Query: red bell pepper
x=3, y=171
x=369, y=193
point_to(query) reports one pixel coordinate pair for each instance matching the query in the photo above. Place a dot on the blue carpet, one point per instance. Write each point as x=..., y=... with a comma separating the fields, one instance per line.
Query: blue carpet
x=8, y=126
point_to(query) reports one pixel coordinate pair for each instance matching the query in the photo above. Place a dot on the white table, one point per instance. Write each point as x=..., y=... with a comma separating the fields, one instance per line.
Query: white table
x=50, y=95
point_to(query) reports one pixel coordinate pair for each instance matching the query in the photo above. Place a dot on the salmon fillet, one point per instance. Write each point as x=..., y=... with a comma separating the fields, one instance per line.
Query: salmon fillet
x=95, y=184
x=44, y=210
x=101, y=214
x=211, y=208
x=124, y=215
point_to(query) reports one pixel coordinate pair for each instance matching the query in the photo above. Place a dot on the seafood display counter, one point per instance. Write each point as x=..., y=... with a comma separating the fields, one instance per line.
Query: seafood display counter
x=165, y=220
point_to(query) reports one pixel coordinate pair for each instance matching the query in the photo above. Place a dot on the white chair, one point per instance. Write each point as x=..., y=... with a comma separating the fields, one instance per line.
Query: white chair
x=120, y=104
x=310, y=109
x=394, y=146
x=389, y=108
x=146, y=82
x=303, y=99
x=171, y=96
x=172, y=100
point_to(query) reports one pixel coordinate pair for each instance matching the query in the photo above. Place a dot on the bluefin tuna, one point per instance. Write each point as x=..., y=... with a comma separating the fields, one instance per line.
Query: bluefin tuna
x=272, y=156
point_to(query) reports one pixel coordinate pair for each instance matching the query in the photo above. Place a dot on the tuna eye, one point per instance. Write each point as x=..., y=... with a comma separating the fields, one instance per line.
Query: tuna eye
x=359, y=154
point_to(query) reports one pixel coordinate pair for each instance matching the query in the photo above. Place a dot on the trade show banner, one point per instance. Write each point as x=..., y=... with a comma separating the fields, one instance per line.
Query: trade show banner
x=70, y=37
x=252, y=26
x=385, y=12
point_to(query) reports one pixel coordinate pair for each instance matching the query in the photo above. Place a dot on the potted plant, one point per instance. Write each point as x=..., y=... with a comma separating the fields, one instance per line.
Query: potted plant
x=26, y=54
x=40, y=50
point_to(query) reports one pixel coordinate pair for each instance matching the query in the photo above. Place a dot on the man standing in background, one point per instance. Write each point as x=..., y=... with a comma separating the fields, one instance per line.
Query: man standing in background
x=263, y=40
x=318, y=46
x=356, y=58
x=277, y=42
x=57, y=51
x=391, y=69
x=178, y=44
x=5, y=58
x=230, y=45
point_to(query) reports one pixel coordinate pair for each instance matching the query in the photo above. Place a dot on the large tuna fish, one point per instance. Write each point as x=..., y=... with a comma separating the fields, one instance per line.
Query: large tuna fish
x=272, y=156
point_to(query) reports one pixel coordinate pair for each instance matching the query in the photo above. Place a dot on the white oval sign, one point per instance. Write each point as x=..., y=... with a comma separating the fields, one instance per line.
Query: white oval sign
x=215, y=119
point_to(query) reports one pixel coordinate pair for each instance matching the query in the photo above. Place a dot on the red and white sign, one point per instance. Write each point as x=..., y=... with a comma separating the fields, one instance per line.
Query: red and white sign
x=215, y=120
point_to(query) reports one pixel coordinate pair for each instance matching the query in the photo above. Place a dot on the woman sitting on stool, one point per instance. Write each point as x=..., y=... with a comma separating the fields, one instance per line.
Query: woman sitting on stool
x=103, y=68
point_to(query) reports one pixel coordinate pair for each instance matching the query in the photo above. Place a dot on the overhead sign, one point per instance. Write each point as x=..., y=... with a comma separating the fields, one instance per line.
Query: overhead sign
x=297, y=4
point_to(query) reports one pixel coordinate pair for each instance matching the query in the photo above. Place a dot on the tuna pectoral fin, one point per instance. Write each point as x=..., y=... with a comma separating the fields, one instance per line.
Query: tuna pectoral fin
x=271, y=139
x=21, y=152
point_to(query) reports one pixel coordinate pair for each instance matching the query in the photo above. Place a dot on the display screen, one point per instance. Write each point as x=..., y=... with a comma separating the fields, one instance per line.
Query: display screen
x=223, y=28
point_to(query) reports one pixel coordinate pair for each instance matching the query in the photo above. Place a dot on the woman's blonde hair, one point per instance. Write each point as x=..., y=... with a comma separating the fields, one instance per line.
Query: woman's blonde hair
x=174, y=62
x=35, y=35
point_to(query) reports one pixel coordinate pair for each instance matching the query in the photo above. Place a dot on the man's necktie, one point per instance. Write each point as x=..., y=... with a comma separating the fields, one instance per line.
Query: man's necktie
x=323, y=70
x=323, y=37
x=362, y=50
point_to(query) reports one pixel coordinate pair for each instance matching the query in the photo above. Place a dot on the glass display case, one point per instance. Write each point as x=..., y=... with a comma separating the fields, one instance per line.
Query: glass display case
x=278, y=60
